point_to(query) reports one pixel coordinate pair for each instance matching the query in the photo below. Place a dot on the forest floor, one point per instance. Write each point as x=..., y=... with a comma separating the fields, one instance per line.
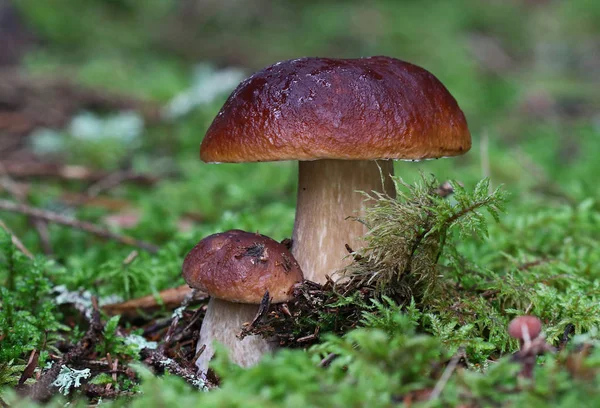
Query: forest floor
x=103, y=106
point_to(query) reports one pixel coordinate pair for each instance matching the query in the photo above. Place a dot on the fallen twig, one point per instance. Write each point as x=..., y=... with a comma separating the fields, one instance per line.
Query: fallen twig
x=175, y=320
x=74, y=223
x=263, y=308
x=35, y=169
x=327, y=360
x=79, y=199
x=30, y=367
x=439, y=386
x=20, y=194
x=157, y=359
x=16, y=241
x=110, y=181
x=170, y=298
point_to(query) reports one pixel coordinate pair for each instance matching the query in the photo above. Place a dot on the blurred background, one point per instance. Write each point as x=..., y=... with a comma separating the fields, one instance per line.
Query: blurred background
x=104, y=103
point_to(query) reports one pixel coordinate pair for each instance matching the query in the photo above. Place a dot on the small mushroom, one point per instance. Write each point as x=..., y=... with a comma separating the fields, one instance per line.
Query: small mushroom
x=236, y=268
x=342, y=119
x=528, y=330
x=525, y=328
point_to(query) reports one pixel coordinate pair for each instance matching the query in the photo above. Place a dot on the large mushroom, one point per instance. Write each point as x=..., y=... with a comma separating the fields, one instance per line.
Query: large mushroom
x=341, y=118
x=236, y=269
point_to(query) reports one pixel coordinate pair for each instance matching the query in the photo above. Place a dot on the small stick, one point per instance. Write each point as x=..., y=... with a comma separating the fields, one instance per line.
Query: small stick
x=199, y=352
x=20, y=194
x=327, y=360
x=16, y=241
x=30, y=367
x=157, y=359
x=130, y=258
x=110, y=364
x=439, y=386
x=175, y=320
x=285, y=309
x=310, y=337
x=74, y=223
x=70, y=172
x=171, y=298
x=262, y=309
x=110, y=181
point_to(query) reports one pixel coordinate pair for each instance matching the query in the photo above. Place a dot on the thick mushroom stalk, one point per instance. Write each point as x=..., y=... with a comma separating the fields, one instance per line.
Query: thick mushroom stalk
x=222, y=323
x=329, y=191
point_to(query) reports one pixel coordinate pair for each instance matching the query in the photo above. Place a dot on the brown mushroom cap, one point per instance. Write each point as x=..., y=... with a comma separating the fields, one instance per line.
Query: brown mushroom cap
x=324, y=108
x=239, y=266
x=517, y=325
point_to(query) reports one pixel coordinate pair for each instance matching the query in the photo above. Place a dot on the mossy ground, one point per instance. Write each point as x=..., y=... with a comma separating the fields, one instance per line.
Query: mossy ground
x=524, y=72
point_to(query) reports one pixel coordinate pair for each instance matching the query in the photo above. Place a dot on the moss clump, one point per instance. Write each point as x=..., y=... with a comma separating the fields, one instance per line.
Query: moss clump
x=408, y=234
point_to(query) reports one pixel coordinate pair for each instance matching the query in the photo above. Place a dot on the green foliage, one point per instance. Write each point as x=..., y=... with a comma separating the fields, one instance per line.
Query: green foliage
x=9, y=374
x=542, y=263
x=114, y=344
x=387, y=316
x=28, y=315
x=407, y=233
x=370, y=367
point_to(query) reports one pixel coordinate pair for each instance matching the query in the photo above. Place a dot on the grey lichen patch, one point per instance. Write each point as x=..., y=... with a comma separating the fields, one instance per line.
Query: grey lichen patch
x=70, y=378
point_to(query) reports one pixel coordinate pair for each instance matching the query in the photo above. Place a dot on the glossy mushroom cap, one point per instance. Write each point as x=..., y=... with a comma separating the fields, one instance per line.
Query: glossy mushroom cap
x=239, y=266
x=517, y=326
x=324, y=108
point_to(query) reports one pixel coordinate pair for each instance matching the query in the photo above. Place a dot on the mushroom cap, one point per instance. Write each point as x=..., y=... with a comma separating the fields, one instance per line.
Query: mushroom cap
x=532, y=323
x=239, y=266
x=325, y=108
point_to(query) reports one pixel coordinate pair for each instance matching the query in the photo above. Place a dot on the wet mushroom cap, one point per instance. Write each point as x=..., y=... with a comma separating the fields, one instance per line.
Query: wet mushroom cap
x=324, y=108
x=532, y=323
x=239, y=266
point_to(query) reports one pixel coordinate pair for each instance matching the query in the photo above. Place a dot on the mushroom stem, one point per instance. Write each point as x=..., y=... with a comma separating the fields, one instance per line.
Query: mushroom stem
x=328, y=193
x=222, y=323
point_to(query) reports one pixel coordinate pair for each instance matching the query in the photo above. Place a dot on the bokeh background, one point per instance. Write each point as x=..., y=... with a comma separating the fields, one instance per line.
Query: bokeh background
x=122, y=87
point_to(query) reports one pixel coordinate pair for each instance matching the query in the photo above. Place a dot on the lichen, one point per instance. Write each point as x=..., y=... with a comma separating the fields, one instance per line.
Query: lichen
x=70, y=378
x=140, y=342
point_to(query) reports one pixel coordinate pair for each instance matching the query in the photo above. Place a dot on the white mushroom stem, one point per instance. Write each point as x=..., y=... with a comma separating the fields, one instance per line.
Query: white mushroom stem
x=222, y=323
x=329, y=193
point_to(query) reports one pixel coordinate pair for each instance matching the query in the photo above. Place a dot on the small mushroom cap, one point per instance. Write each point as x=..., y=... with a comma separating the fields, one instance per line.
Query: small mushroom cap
x=325, y=108
x=239, y=266
x=517, y=326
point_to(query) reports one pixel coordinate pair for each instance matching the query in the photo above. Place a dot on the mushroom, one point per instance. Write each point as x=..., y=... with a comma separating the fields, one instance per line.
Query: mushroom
x=342, y=119
x=236, y=268
x=528, y=330
x=525, y=329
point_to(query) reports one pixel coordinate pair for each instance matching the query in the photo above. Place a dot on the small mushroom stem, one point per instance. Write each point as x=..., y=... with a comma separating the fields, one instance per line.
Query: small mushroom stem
x=329, y=191
x=222, y=323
